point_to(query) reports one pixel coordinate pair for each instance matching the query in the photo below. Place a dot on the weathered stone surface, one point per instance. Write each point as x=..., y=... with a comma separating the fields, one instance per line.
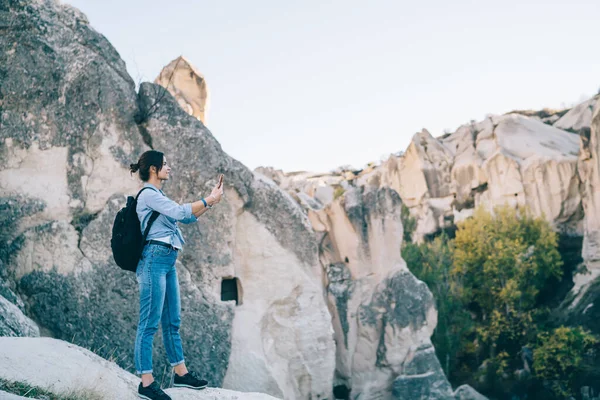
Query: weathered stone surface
x=62, y=368
x=187, y=85
x=422, y=378
x=586, y=302
x=395, y=324
x=48, y=247
x=9, y=396
x=427, y=162
x=466, y=392
x=578, y=117
x=13, y=322
x=589, y=172
x=361, y=235
x=67, y=102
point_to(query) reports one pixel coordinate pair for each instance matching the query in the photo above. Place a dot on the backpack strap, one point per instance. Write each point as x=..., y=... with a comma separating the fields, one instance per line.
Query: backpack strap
x=141, y=190
x=153, y=217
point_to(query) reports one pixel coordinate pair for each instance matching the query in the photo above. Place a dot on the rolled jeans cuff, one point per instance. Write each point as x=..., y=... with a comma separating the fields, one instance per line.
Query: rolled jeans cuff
x=177, y=363
x=144, y=372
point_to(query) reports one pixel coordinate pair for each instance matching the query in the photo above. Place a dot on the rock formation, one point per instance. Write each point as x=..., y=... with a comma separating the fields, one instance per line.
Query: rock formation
x=589, y=172
x=187, y=85
x=13, y=322
x=61, y=367
x=509, y=159
x=579, y=117
x=584, y=307
x=382, y=316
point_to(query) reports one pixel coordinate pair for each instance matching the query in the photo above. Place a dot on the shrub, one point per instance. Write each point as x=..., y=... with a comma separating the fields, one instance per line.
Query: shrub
x=561, y=357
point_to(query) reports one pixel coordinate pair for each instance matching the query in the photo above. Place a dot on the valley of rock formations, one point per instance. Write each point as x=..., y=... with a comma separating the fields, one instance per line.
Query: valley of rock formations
x=322, y=297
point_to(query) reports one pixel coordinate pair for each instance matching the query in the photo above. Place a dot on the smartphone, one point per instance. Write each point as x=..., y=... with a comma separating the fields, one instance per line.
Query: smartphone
x=220, y=180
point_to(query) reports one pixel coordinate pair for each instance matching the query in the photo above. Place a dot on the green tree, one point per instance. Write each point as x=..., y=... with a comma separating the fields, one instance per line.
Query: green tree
x=503, y=260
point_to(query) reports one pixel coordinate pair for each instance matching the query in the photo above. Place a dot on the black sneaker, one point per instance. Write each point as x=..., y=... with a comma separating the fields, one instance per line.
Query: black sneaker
x=152, y=392
x=189, y=380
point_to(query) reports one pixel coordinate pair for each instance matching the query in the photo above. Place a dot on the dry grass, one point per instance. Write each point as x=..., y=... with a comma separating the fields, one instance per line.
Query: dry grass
x=26, y=390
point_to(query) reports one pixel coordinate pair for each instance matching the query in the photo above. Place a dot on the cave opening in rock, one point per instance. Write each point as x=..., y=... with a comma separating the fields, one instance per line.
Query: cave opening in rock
x=341, y=392
x=231, y=290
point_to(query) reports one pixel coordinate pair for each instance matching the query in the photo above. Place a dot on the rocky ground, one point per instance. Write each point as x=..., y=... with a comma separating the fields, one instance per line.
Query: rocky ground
x=62, y=367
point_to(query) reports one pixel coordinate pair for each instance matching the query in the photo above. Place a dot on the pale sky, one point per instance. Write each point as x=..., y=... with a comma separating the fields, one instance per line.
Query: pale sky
x=312, y=85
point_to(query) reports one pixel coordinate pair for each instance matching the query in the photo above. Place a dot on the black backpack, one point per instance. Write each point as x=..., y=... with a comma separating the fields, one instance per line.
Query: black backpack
x=127, y=241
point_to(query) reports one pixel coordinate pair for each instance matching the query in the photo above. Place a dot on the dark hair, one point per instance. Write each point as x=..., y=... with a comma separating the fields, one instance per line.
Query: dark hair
x=151, y=158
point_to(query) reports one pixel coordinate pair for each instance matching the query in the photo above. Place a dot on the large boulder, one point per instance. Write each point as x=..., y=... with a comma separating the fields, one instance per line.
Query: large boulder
x=68, y=134
x=9, y=396
x=68, y=130
x=466, y=392
x=422, y=378
x=516, y=160
x=13, y=322
x=427, y=162
x=579, y=117
x=64, y=368
x=187, y=85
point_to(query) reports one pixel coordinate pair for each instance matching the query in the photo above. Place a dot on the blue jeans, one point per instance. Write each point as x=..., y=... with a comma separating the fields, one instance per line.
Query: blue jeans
x=159, y=300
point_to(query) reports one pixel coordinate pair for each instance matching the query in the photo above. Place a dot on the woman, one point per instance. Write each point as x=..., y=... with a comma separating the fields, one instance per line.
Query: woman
x=157, y=276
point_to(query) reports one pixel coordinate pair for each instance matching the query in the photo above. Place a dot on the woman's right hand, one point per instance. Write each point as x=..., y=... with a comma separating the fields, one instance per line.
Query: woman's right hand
x=217, y=191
